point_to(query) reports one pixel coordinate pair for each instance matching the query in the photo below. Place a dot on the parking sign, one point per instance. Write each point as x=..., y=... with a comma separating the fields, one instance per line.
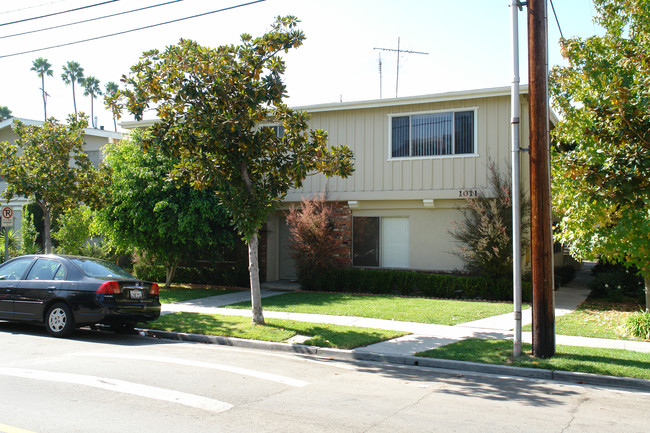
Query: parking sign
x=7, y=217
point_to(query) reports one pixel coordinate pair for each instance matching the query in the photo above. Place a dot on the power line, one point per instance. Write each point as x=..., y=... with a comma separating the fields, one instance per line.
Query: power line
x=556, y=20
x=131, y=30
x=57, y=13
x=30, y=7
x=89, y=20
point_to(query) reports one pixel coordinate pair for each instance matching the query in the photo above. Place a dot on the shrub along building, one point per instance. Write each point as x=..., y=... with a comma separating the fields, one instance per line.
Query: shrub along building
x=417, y=159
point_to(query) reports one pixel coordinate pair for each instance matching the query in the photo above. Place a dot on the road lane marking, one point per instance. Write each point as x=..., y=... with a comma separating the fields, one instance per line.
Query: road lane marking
x=237, y=370
x=121, y=386
x=9, y=429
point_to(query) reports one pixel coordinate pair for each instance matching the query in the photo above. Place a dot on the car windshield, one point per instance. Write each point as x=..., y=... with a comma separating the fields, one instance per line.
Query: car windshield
x=100, y=268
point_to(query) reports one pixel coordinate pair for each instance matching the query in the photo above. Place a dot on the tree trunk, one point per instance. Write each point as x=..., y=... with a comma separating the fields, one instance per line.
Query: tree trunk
x=253, y=265
x=74, y=100
x=44, y=96
x=170, y=271
x=47, y=239
x=646, y=283
x=254, y=271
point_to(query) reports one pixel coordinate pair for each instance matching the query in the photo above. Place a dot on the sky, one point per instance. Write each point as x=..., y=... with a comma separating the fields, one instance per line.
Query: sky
x=468, y=45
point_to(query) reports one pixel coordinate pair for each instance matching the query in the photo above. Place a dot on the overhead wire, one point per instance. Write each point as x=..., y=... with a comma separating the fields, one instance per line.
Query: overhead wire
x=89, y=20
x=57, y=13
x=130, y=30
x=556, y=20
x=31, y=7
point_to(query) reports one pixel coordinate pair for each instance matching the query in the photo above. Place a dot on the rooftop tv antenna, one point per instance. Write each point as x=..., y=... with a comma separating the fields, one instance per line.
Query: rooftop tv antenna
x=398, y=51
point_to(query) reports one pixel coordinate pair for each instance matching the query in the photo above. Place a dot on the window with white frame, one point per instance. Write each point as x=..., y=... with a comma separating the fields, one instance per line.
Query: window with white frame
x=433, y=134
x=380, y=241
x=277, y=129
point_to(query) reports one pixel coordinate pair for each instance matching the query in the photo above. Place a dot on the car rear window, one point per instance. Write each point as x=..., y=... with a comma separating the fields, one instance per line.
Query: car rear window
x=100, y=268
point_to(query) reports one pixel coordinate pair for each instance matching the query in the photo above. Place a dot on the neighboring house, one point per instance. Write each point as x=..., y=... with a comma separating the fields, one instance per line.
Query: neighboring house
x=416, y=161
x=95, y=139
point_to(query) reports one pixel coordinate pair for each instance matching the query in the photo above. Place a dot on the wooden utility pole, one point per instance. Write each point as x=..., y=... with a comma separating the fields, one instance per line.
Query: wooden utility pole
x=540, y=183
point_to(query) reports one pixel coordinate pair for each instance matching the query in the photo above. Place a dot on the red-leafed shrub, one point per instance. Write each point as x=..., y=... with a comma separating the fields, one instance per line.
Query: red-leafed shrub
x=314, y=242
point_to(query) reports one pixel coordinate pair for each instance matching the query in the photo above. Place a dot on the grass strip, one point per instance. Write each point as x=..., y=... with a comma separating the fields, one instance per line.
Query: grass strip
x=185, y=292
x=277, y=330
x=613, y=362
x=420, y=310
x=596, y=319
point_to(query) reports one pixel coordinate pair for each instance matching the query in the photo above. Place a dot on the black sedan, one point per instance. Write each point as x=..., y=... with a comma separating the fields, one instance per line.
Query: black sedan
x=65, y=292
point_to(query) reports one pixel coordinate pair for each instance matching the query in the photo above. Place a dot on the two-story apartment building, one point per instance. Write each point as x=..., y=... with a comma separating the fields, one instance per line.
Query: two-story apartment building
x=94, y=138
x=417, y=159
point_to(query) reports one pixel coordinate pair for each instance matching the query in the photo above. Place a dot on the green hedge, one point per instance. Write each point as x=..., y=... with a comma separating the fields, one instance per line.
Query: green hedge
x=219, y=274
x=564, y=275
x=409, y=283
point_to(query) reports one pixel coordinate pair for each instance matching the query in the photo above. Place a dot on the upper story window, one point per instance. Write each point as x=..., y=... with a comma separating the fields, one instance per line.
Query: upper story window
x=278, y=129
x=433, y=134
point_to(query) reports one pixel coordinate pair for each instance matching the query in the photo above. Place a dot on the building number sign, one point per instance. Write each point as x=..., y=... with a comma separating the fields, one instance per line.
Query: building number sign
x=467, y=193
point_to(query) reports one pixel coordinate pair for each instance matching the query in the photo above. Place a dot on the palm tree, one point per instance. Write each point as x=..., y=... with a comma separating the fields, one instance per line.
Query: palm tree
x=91, y=88
x=42, y=68
x=73, y=72
x=111, y=91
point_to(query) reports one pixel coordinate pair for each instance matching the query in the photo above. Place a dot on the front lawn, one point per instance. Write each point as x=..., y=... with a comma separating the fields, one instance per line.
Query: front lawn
x=596, y=318
x=184, y=292
x=421, y=310
x=277, y=330
x=613, y=362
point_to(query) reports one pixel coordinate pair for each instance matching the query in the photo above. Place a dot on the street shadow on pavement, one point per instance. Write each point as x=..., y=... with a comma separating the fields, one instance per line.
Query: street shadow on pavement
x=85, y=334
x=528, y=391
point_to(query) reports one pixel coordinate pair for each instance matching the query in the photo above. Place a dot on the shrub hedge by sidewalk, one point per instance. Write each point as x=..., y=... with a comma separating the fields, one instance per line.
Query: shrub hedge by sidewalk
x=409, y=283
x=221, y=273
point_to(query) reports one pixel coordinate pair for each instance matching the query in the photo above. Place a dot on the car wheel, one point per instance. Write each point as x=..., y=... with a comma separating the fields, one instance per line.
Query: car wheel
x=59, y=320
x=123, y=327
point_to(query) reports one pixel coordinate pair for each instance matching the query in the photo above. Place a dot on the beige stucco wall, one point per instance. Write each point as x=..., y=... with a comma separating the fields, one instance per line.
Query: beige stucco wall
x=430, y=244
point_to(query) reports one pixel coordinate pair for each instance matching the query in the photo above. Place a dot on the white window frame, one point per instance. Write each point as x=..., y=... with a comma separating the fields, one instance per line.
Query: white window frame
x=279, y=129
x=381, y=242
x=418, y=113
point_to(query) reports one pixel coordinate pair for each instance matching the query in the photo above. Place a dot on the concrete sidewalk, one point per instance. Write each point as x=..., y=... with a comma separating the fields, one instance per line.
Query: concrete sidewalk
x=422, y=336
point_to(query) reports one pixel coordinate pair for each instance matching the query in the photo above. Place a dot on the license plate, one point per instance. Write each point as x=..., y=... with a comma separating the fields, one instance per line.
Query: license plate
x=135, y=294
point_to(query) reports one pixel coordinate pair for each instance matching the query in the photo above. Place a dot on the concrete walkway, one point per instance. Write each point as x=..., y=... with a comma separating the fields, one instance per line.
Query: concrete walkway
x=422, y=336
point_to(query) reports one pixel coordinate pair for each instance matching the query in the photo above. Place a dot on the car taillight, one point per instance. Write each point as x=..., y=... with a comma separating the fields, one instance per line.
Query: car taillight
x=155, y=289
x=109, y=288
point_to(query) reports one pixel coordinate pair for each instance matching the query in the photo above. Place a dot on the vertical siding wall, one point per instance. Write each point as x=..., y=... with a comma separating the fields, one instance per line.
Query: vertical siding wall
x=367, y=132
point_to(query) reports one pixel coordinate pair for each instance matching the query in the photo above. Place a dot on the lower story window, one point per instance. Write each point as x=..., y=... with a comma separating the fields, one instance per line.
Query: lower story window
x=380, y=241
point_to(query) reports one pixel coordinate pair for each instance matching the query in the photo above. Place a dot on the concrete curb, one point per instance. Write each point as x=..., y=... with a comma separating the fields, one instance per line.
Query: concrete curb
x=352, y=355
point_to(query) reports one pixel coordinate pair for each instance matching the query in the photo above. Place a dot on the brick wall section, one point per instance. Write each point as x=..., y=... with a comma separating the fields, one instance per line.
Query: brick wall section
x=342, y=219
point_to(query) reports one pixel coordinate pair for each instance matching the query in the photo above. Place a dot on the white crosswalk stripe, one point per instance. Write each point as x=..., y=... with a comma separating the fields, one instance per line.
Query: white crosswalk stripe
x=121, y=386
x=236, y=370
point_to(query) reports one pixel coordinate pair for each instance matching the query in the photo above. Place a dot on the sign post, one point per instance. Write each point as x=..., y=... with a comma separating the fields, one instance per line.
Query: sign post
x=7, y=222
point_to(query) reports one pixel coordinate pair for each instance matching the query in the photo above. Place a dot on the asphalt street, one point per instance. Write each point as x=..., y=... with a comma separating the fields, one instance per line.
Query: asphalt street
x=104, y=382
